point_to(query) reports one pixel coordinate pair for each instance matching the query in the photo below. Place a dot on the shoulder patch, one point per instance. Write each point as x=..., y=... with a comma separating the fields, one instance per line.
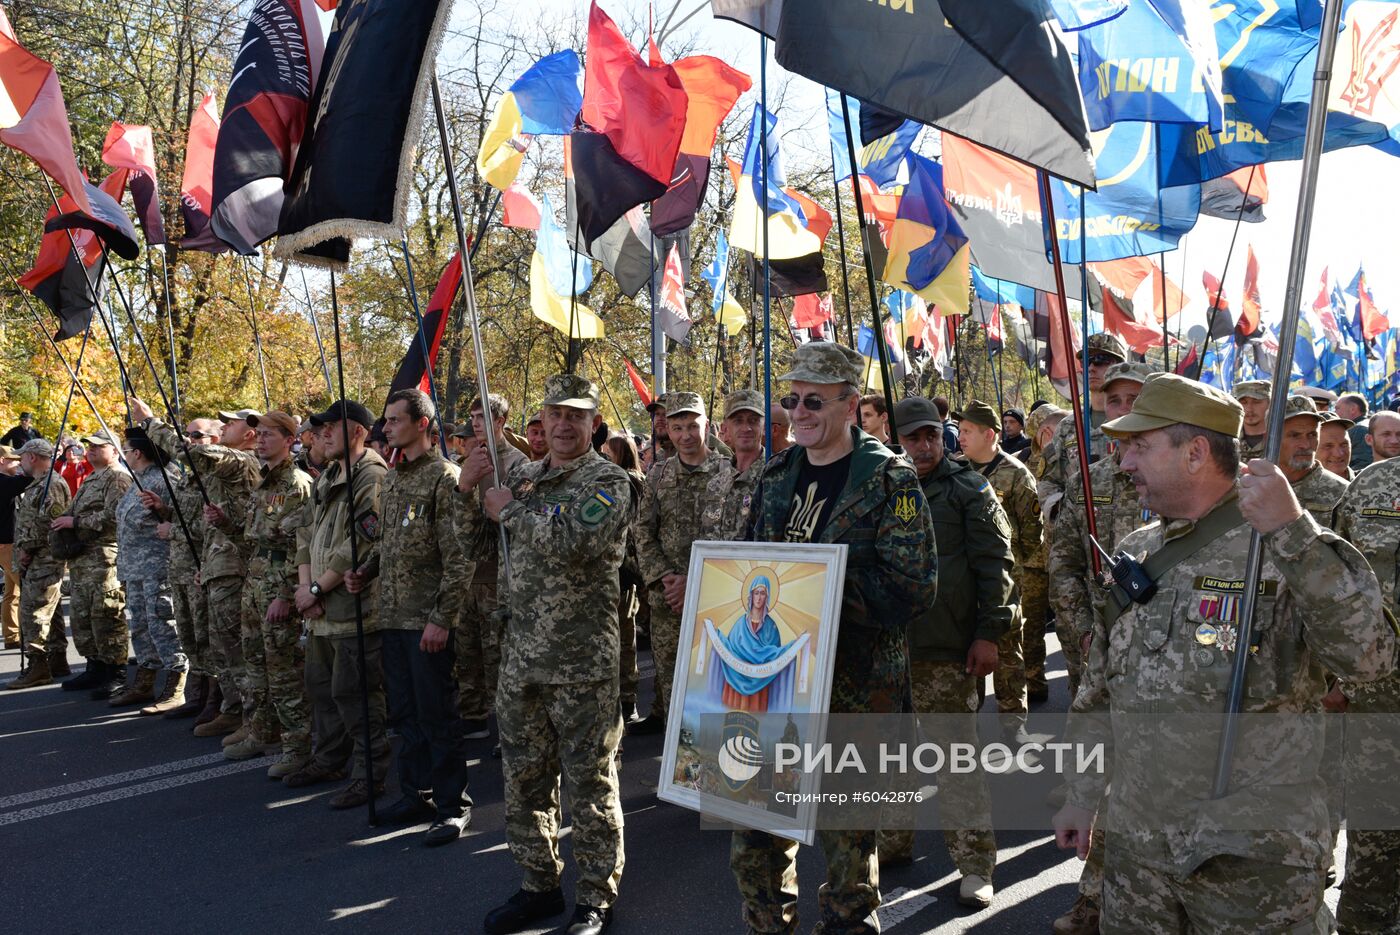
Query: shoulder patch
x=368, y=525
x=596, y=508
x=907, y=503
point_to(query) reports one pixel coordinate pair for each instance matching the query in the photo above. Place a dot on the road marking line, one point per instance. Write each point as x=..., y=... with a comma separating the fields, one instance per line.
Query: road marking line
x=37, y=707
x=338, y=914
x=116, y=795
x=115, y=779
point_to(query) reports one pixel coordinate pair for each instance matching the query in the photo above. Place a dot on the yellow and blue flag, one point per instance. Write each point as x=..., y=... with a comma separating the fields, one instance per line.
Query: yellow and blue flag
x=882, y=159
x=788, y=236
x=928, y=251
x=558, y=276
x=545, y=101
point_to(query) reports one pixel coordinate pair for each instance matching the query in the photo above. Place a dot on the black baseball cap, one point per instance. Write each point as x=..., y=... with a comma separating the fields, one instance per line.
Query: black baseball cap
x=344, y=409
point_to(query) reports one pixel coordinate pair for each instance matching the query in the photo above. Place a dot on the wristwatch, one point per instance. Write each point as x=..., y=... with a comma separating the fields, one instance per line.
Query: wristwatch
x=315, y=589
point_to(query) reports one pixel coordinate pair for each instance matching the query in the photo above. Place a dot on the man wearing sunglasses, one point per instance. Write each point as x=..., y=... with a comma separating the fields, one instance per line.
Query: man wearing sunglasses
x=838, y=484
x=1102, y=351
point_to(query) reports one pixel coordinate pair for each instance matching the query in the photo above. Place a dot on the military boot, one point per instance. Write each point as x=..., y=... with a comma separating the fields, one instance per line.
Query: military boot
x=213, y=705
x=37, y=674
x=171, y=696
x=222, y=724
x=140, y=690
x=251, y=746
x=196, y=696
x=1082, y=919
x=111, y=681
x=86, y=679
x=58, y=663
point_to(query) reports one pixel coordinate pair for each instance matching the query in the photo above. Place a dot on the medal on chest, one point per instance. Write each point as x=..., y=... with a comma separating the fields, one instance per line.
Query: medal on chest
x=410, y=514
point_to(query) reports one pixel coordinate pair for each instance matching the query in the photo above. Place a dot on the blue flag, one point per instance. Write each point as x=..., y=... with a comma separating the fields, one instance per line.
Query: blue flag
x=883, y=159
x=561, y=263
x=779, y=201
x=1156, y=62
x=717, y=273
x=550, y=94
x=1002, y=291
x=1075, y=15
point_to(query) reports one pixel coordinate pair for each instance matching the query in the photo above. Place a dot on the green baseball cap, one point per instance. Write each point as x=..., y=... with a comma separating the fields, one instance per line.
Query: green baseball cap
x=824, y=362
x=1167, y=399
x=681, y=403
x=915, y=412
x=571, y=390
x=743, y=401
x=979, y=413
x=1301, y=406
x=1253, y=389
x=100, y=437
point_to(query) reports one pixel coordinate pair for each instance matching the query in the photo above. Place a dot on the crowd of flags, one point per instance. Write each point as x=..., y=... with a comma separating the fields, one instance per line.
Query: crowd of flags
x=1165, y=110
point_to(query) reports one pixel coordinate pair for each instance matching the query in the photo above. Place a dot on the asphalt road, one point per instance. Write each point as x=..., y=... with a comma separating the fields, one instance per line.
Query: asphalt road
x=110, y=821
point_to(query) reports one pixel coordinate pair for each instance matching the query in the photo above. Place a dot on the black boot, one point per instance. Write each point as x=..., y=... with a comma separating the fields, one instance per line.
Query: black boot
x=110, y=683
x=87, y=679
x=522, y=909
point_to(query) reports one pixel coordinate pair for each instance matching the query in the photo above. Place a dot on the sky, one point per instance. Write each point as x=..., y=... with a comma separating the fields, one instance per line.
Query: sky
x=1357, y=190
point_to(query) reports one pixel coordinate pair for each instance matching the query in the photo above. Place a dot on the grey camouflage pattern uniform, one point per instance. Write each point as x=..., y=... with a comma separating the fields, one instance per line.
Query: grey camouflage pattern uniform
x=96, y=599
x=186, y=594
x=143, y=565
x=1172, y=849
x=40, y=582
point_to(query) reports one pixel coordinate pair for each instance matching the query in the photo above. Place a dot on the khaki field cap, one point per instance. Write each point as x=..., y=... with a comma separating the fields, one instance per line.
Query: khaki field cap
x=1137, y=373
x=276, y=417
x=571, y=390
x=743, y=400
x=1301, y=406
x=36, y=446
x=824, y=362
x=240, y=414
x=100, y=437
x=1036, y=420
x=681, y=403
x=1106, y=343
x=1330, y=416
x=915, y=412
x=1253, y=389
x=1168, y=399
x=8, y=454
x=979, y=413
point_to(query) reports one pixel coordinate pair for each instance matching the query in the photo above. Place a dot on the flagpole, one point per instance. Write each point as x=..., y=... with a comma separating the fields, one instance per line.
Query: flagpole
x=573, y=354
x=257, y=339
x=63, y=420
x=169, y=320
x=1166, y=329
x=658, y=337
x=1085, y=414
x=316, y=330
x=1288, y=337
x=427, y=355
x=1081, y=426
x=841, y=239
x=1219, y=293
x=468, y=287
x=767, y=261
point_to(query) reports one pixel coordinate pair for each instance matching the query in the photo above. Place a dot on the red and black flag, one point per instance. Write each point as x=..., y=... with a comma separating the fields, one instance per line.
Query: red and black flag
x=265, y=117
x=355, y=167
x=628, y=250
x=197, y=185
x=131, y=150
x=633, y=120
x=413, y=371
x=104, y=217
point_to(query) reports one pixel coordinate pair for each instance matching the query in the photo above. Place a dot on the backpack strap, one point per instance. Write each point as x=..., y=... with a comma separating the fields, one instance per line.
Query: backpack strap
x=1211, y=527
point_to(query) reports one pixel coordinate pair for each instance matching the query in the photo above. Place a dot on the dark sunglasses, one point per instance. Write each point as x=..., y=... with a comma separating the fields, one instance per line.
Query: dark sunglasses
x=811, y=403
x=1100, y=360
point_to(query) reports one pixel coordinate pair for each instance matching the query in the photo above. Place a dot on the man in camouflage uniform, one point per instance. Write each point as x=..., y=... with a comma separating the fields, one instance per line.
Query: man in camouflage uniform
x=228, y=472
x=272, y=651
x=1369, y=517
x=1040, y=426
x=557, y=702
x=41, y=574
x=839, y=485
x=1062, y=454
x=731, y=493
x=1019, y=661
x=670, y=520
x=333, y=659
x=423, y=576
x=478, y=640
x=1334, y=445
x=1316, y=488
x=96, y=600
x=1253, y=396
x=1176, y=858
x=1073, y=591
x=954, y=645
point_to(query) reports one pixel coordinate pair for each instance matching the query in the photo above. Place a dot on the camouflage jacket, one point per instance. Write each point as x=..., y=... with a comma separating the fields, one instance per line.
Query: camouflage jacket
x=1318, y=492
x=567, y=529
x=892, y=566
x=141, y=554
x=423, y=572
x=973, y=542
x=275, y=513
x=1249, y=450
x=323, y=541
x=1156, y=679
x=728, y=501
x=1074, y=595
x=32, y=526
x=229, y=477
x=182, y=563
x=94, y=512
x=1014, y=486
x=483, y=541
x=1061, y=459
x=1368, y=516
x=671, y=513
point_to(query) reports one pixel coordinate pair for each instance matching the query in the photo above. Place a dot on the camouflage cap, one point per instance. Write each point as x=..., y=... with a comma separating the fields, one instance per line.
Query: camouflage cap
x=1330, y=416
x=1168, y=399
x=37, y=446
x=8, y=454
x=463, y=430
x=276, y=417
x=1137, y=373
x=979, y=413
x=658, y=403
x=1036, y=420
x=1106, y=343
x=915, y=412
x=743, y=401
x=681, y=403
x=1301, y=406
x=1253, y=389
x=100, y=437
x=571, y=390
x=241, y=414
x=824, y=362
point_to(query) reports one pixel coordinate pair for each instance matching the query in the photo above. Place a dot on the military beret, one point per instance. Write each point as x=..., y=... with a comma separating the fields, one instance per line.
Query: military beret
x=743, y=401
x=571, y=390
x=979, y=413
x=1167, y=399
x=1253, y=389
x=824, y=362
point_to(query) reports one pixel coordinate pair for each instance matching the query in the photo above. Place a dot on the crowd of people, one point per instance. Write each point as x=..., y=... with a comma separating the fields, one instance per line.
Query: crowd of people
x=266, y=572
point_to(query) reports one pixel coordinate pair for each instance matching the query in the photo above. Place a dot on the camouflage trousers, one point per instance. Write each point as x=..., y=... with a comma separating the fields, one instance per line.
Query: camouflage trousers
x=478, y=646
x=1072, y=651
x=95, y=607
x=870, y=675
x=1091, y=877
x=569, y=731
x=153, y=635
x=9, y=600
x=40, y=620
x=1035, y=608
x=224, y=604
x=1226, y=895
x=627, y=674
x=191, y=622
x=275, y=662
x=337, y=707
x=1009, y=678
x=665, y=638
x=1370, y=901
x=964, y=802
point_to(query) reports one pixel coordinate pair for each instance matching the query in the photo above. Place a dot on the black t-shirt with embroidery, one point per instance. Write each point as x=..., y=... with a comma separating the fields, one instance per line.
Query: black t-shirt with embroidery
x=816, y=492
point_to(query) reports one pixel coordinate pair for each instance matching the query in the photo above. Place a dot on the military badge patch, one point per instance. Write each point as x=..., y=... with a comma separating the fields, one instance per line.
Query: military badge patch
x=596, y=508
x=368, y=526
x=906, y=506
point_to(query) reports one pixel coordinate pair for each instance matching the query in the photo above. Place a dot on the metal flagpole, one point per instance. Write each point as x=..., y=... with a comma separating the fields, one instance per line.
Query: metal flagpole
x=1086, y=414
x=1288, y=336
x=63, y=421
x=257, y=339
x=767, y=263
x=354, y=555
x=1215, y=305
x=427, y=355
x=316, y=330
x=169, y=321
x=841, y=239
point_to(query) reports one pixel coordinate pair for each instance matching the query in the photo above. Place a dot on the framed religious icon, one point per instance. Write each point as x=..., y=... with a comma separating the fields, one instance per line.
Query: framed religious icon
x=753, y=679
